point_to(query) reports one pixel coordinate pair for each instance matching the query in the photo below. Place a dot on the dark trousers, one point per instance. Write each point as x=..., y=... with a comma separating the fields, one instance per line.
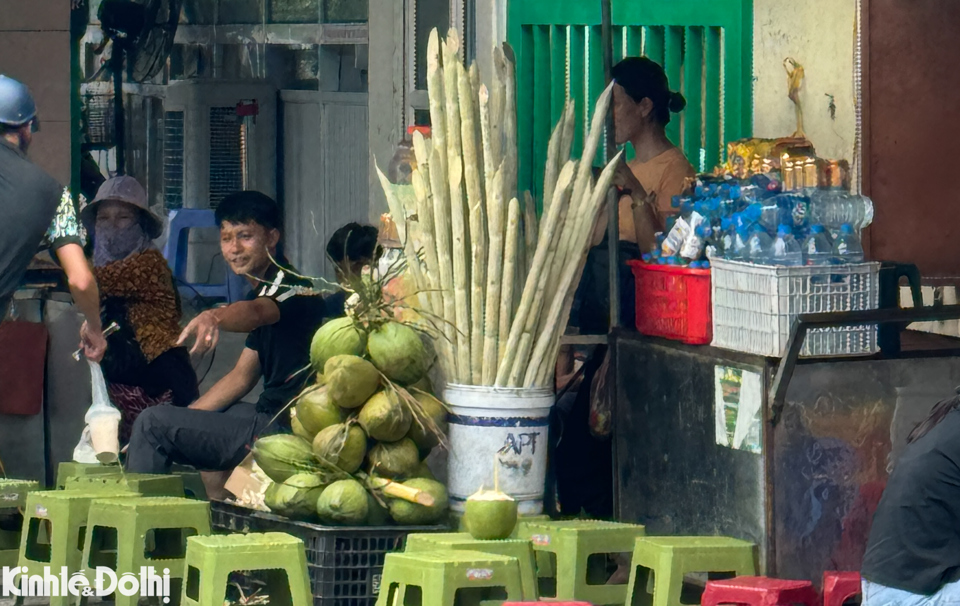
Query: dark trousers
x=207, y=441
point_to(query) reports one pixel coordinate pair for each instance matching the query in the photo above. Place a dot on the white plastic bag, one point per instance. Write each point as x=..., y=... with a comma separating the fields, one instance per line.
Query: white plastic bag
x=101, y=435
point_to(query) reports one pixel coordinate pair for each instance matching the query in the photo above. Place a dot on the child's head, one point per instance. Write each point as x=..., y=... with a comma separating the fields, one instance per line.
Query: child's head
x=352, y=247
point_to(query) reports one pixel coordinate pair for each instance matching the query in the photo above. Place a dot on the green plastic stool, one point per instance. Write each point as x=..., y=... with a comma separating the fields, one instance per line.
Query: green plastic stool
x=670, y=558
x=128, y=534
x=13, y=496
x=435, y=577
x=193, y=486
x=514, y=548
x=572, y=542
x=211, y=559
x=69, y=469
x=146, y=484
x=60, y=517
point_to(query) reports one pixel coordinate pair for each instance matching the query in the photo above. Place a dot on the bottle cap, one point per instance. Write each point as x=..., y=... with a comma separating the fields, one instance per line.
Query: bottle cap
x=784, y=230
x=817, y=229
x=846, y=228
x=675, y=202
x=726, y=223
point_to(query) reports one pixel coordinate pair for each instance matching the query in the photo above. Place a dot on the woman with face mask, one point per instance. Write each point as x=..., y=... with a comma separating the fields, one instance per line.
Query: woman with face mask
x=143, y=366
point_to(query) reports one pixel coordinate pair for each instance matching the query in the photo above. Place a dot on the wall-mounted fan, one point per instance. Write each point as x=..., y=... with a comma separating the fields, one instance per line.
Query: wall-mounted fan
x=141, y=33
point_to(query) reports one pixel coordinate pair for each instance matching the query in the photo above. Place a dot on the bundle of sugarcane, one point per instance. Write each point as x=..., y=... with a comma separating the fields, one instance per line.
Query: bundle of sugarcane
x=496, y=282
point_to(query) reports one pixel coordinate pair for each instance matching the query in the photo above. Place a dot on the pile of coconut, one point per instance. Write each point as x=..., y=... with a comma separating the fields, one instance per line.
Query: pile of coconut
x=361, y=432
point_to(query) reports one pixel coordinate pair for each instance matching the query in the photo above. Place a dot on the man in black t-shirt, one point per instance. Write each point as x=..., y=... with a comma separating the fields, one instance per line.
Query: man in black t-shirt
x=913, y=554
x=213, y=433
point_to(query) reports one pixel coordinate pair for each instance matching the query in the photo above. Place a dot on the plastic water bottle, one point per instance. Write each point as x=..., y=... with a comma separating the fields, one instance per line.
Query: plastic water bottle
x=758, y=246
x=816, y=248
x=738, y=250
x=847, y=248
x=786, y=249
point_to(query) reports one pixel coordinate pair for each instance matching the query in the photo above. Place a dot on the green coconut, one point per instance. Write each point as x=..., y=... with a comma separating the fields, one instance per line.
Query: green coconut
x=316, y=411
x=398, y=352
x=270, y=496
x=490, y=515
x=337, y=337
x=377, y=514
x=423, y=471
x=384, y=417
x=342, y=446
x=350, y=380
x=421, y=432
x=343, y=503
x=298, y=429
x=296, y=497
x=424, y=384
x=405, y=512
x=394, y=460
x=283, y=455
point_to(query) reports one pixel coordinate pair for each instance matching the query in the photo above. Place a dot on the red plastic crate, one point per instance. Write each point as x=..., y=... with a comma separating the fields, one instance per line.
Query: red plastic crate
x=673, y=302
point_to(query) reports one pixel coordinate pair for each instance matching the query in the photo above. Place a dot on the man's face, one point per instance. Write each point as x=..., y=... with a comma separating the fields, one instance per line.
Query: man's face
x=245, y=247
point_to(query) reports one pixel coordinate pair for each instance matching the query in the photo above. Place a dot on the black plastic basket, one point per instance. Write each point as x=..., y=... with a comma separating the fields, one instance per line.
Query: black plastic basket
x=345, y=563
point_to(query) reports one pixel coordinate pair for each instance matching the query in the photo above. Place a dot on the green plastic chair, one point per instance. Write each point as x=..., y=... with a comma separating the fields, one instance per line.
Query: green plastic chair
x=572, y=543
x=211, y=559
x=438, y=578
x=69, y=469
x=670, y=558
x=13, y=496
x=154, y=485
x=462, y=541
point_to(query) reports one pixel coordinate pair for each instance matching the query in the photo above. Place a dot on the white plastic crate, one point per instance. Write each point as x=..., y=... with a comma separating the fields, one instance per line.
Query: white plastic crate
x=754, y=306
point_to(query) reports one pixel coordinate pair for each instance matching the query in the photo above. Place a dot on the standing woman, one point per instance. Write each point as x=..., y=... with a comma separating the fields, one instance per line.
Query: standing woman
x=143, y=366
x=642, y=107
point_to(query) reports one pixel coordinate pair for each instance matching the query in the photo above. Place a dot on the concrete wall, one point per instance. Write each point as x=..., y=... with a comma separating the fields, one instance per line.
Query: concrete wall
x=819, y=34
x=35, y=49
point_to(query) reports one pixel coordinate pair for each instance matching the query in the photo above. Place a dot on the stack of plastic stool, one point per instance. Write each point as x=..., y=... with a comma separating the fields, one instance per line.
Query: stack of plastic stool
x=13, y=496
x=150, y=531
x=759, y=591
x=670, y=558
x=438, y=578
x=193, y=486
x=211, y=559
x=69, y=469
x=838, y=587
x=573, y=542
x=153, y=485
x=462, y=541
x=60, y=517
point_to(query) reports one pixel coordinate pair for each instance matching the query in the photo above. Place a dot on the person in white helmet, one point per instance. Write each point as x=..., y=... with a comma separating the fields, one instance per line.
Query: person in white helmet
x=36, y=212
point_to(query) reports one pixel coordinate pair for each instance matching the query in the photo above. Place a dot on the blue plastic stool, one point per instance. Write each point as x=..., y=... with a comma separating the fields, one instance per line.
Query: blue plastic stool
x=175, y=252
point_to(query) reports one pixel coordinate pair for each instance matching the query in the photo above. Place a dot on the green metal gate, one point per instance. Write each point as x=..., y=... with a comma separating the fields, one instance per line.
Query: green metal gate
x=705, y=46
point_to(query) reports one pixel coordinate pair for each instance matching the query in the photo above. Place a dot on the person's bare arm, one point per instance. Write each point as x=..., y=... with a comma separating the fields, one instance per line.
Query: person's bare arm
x=86, y=296
x=242, y=316
x=234, y=385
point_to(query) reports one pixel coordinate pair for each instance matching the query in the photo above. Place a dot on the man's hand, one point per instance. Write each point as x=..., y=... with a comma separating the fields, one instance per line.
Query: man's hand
x=92, y=342
x=206, y=330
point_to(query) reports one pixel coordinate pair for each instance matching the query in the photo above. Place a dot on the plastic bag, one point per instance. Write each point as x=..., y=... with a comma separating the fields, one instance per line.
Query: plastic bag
x=101, y=434
x=601, y=401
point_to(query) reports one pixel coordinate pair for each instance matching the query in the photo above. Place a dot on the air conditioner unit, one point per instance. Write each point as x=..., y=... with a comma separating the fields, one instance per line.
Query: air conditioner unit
x=218, y=138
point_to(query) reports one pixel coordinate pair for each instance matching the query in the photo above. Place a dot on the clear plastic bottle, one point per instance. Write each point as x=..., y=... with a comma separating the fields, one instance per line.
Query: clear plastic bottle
x=786, y=250
x=847, y=247
x=816, y=248
x=758, y=246
x=738, y=251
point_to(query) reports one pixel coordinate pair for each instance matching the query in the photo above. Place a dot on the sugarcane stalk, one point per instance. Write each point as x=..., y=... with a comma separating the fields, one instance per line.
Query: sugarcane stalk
x=437, y=98
x=537, y=269
x=444, y=237
x=508, y=279
x=580, y=242
x=490, y=166
x=544, y=286
x=569, y=127
x=474, y=74
x=427, y=234
x=591, y=145
x=510, y=121
x=494, y=280
x=478, y=224
x=461, y=268
x=554, y=162
x=497, y=93
x=406, y=237
x=530, y=226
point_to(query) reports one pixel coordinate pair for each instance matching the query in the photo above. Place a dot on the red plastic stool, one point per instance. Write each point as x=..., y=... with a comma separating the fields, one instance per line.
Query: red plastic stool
x=838, y=587
x=759, y=591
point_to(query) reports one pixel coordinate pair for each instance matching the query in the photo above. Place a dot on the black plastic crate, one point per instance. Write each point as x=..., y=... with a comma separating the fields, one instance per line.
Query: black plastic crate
x=345, y=563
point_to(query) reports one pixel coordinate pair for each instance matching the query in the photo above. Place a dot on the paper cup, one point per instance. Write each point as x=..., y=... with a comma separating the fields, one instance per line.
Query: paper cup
x=104, y=433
